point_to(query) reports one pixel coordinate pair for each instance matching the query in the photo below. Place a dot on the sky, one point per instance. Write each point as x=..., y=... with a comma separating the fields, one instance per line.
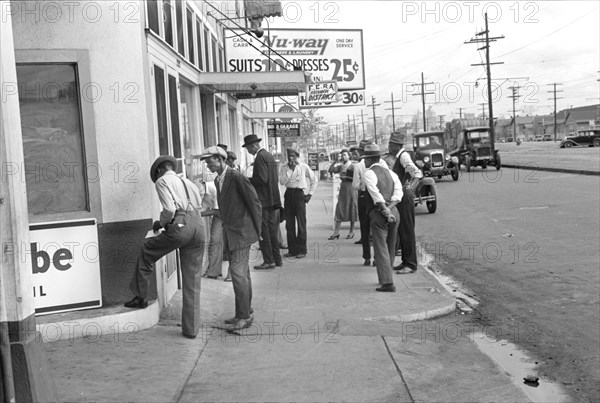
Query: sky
x=544, y=42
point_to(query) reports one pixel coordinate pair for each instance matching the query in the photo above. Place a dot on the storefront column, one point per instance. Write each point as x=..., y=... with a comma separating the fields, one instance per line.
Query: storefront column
x=23, y=365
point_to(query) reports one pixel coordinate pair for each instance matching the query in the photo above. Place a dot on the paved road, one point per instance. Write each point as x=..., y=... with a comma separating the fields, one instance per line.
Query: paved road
x=526, y=244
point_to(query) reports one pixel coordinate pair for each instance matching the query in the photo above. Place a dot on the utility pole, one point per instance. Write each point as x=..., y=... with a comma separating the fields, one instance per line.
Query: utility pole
x=362, y=119
x=422, y=94
x=392, y=109
x=483, y=108
x=349, y=132
x=460, y=112
x=354, y=125
x=487, y=41
x=514, y=97
x=441, y=120
x=555, y=98
x=373, y=104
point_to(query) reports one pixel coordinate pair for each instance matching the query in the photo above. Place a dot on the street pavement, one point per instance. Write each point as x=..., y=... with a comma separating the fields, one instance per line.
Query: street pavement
x=321, y=333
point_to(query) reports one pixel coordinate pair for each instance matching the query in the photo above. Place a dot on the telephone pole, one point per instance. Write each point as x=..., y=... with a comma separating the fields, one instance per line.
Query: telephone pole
x=514, y=97
x=373, y=104
x=487, y=41
x=422, y=94
x=460, y=112
x=362, y=120
x=392, y=109
x=483, y=108
x=555, y=98
x=441, y=120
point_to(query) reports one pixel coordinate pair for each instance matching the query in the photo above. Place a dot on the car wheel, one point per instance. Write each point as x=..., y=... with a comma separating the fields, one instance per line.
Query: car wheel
x=596, y=143
x=568, y=144
x=431, y=205
x=454, y=174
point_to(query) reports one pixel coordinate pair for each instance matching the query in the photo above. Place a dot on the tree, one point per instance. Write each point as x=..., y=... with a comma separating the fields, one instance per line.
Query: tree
x=310, y=126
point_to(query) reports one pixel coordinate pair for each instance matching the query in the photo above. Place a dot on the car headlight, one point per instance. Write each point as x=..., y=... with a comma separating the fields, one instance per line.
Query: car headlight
x=447, y=157
x=426, y=159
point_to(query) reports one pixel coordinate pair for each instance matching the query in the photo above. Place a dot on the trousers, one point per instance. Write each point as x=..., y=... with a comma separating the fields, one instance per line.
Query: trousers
x=186, y=233
x=269, y=245
x=295, y=212
x=406, y=229
x=242, y=284
x=363, y=218
x=384, y=244
x=215, y=247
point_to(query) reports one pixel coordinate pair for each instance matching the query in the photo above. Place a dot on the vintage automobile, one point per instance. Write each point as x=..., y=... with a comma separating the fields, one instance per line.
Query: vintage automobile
x=589, y=137
x=425, y=193
x=431, y=157
x=470, y=141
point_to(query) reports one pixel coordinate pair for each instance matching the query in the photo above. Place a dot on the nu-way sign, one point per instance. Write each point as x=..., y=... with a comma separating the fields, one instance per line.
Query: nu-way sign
x=328, y=54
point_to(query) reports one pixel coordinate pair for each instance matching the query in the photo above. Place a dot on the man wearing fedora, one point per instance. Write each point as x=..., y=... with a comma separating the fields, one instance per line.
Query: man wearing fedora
x=300, y=183
x=265, y=180
x=409, y=176
x=183, y=230
x=384, y=191
x=240, y=212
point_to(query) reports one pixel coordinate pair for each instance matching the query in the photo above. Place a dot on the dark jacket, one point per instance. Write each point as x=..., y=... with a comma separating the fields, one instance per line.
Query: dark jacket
x=240, y=210
x=265, y=179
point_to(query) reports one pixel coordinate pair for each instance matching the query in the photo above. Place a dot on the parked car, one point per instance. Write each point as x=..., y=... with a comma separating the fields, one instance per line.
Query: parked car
x=547, y=137
x=509, y=139
x=589, y=138
x=538, y=137
x=431, y=157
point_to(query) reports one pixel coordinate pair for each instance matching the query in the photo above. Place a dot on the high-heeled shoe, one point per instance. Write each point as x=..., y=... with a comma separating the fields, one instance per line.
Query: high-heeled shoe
x=337, y=236
x=350, y=236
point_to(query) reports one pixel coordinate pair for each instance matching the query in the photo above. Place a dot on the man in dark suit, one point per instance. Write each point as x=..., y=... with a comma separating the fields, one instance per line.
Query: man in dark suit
x=240, y=210
x=409, y=176
x=265, y=179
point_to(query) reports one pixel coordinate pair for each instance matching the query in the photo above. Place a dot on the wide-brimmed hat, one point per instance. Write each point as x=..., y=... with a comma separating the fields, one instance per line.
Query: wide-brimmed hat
x=223, y=146
x=397, y=138
x=372, y=150
x=250, y=139
x=213, y=150
x=363, y=143
x=156, y=164
x=293, y=151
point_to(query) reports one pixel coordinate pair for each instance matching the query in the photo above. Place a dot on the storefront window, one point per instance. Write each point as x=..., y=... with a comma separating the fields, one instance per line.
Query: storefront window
x=207, y=49
x=161, y=110
x=199, y=41
x=168, y=21
x=214, y=55
x=174, y=109
x=55, y=167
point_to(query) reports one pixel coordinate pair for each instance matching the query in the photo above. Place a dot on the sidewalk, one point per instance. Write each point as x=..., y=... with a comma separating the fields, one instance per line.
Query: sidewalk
x=321, y=333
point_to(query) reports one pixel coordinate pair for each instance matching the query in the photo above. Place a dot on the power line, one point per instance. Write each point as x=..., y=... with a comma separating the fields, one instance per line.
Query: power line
x=392, y=109
x=422, y=94
x=555, y=91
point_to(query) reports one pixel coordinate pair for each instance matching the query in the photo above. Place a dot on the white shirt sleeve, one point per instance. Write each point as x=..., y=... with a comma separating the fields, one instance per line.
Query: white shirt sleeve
x=370, y=181
x=397, y=195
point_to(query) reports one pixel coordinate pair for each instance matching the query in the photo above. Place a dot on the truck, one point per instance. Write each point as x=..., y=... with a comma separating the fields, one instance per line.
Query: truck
x=471, y=142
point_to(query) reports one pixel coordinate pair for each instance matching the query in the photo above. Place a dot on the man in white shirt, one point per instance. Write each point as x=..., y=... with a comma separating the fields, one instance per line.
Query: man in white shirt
x=183, y=230
x=300, y=182
x=384, y=191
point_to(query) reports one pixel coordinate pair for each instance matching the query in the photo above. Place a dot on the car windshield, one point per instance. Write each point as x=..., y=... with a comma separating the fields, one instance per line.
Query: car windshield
x=426, y=140
x=479, y=137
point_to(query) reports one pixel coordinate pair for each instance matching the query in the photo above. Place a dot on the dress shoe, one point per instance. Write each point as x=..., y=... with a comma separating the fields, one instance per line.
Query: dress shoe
x=398, y=252
x=350, y=236
x=137, y=303
x=301, y=255
x=289, y=254
x=336, y=236
x=367, y=262
x=233, y=320
x=227, y=279
x=404, y=270
x=240, y=324
x=358, y=242
x=278, y=265
x=390, y=287
x=374, y=263
x=189, y=336
x=212, y=277
x=265, y=266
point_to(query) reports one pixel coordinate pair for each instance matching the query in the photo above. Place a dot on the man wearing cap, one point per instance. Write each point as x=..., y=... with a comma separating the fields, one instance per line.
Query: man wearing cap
x=384, y=191
x=266, y=182
x=231, y=160
x=300, y=183
x=183, y=230
x=409, y=176
x=240, y=212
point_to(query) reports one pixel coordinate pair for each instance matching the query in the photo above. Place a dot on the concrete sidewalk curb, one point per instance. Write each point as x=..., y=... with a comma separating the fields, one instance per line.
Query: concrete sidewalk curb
x=549, y=169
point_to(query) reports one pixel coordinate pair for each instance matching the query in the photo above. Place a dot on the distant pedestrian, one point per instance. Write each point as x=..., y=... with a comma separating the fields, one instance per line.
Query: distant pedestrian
x=183, y=230
x=300, y=182
x=232, y=160
x=265, y=180
x=384, y=191
x=346, y=208
x=241, y=215
x=409, y=176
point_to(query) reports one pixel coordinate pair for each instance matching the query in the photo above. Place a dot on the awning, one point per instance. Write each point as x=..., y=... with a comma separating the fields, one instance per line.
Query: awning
x=275, y=115
x=260, y=84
